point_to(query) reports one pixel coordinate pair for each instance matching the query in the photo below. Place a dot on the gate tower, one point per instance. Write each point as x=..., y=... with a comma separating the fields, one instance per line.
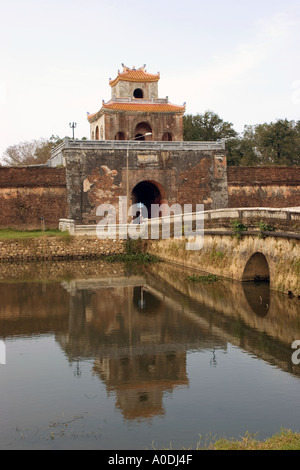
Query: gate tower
x=135, y=110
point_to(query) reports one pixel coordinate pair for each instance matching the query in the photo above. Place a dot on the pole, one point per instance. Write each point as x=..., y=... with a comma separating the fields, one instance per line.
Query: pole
x=127, y=182
x=73, y=125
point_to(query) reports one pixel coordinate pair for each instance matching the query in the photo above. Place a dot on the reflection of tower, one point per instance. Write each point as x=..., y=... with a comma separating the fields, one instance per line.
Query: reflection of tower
x=140, y=375
x=140, y=380
x=137, y=337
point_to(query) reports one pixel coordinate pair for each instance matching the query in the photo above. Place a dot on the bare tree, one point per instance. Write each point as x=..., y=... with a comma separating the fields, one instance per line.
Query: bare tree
x=33, y=152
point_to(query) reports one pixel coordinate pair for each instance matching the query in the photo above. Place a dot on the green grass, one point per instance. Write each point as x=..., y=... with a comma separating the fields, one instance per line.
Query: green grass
x=207, y=279
x=238, y=228
x=13, y=234
x=284, y=440
x=139, y=258
x=133, y=254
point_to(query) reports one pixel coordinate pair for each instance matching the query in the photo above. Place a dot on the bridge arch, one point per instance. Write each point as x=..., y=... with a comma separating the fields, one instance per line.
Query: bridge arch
x=256, y=268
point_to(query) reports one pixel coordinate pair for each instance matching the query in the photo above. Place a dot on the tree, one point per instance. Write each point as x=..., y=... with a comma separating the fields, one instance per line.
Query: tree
x=279, y=142
x=276, y=143
x=206, y=127
x=241, y=152
x=34, y=152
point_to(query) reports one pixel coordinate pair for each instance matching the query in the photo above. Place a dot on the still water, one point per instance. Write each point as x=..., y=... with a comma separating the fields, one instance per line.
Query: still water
x=105, y=356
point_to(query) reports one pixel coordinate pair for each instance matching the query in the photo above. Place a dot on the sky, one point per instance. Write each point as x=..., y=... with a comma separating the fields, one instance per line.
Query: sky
x=237, y=58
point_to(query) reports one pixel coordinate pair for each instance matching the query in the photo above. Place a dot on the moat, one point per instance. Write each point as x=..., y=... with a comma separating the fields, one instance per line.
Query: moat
x=111, y=356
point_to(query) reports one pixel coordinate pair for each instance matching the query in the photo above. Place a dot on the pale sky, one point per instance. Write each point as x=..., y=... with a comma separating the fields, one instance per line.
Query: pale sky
x=237, y=58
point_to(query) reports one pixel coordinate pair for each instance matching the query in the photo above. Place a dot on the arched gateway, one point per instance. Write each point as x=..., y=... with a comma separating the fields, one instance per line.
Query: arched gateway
x=149, y=193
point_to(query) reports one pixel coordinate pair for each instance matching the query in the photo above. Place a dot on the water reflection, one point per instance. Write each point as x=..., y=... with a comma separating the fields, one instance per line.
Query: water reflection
x=258, y=297
x=138, y=327
x=138, y=338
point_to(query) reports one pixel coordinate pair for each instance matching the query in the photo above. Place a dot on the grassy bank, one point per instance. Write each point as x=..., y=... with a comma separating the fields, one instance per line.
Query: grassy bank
x=11, y=234
x=134, y=253
x=283, y=440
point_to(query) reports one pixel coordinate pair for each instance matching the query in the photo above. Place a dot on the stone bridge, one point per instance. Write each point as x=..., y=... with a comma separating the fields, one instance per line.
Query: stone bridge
x=268, y=249
x=243, y=244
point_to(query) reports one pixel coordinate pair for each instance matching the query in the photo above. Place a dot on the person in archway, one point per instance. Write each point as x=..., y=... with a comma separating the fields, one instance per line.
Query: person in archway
x=137, y=219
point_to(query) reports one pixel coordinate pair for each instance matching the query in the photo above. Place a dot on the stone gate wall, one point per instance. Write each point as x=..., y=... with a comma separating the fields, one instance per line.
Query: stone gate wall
x=32, y=197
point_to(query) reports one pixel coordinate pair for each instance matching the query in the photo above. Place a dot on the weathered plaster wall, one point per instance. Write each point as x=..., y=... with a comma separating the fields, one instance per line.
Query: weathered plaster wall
x=159, y=123
x=263, y=186
x=28, y=194
x=96, y=177
x=125, y=89
x=93, y=177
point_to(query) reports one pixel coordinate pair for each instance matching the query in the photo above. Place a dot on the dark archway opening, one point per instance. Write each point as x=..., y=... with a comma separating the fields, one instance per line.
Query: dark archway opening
x=256, y=284
x=141, y=130
x=139, y=137
x=146, y=193
x=167, y=137
x=256, y=269
x=120, y=136
x=138, y=93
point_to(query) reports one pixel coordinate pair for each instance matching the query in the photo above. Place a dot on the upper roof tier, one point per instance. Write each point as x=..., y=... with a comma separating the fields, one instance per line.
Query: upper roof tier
x=137, y=105
x=134, y=75
x=135, y=90
x=144, y=106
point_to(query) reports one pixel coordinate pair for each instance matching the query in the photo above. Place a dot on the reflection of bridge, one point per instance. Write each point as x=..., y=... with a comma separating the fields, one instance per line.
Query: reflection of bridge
x=269, y=248
x=265, y=246
x=253, y=307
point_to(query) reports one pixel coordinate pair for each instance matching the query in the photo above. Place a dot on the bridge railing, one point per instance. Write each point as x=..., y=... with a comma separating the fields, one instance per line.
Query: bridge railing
x=284, y=214
x=213, y=219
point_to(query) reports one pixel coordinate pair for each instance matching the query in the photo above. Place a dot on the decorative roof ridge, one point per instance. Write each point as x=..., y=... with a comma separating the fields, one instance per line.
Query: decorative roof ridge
x=134, y=75
x=137, y=101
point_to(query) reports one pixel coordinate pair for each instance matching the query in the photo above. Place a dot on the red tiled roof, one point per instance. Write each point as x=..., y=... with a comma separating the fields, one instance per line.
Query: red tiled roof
x=144, y=107
x=139, y=107
x=134, y=75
